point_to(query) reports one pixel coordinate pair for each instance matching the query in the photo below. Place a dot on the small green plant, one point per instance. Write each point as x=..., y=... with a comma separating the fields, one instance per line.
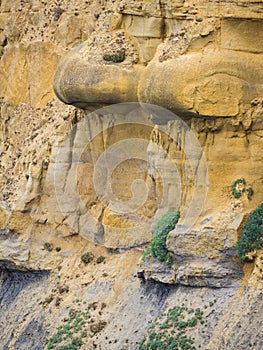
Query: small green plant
x=168, y=332
x=157, y=246
x=116, y=58
x=100, y=259
x=58, y=249
x=76, y=327
x=250, y=192
x=239, y=187
x=252, y=234
x=87, y=258
x=48, y=247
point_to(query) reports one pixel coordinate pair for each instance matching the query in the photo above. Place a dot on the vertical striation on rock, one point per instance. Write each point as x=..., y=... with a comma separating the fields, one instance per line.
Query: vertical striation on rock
x=201, y=60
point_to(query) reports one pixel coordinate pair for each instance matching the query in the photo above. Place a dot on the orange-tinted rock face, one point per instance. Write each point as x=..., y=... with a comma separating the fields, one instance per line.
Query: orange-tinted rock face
x=74, y=182
x=197, y=59
x=200, y=59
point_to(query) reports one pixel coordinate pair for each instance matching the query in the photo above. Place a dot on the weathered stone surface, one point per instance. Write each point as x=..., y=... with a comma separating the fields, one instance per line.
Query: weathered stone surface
x=211, y=84
x=239, y=35
x=116, y=85
x=4, y=216
x=152, y=269
x=203, y=257
x=20, y=222
x=203, y=59
x=170, y=8
x=26, y=73
x=77, y=178
x=204, y=273
x=214, y=237
x=84, y=71
x=19, y=292
x=139, y=26
x=73, y=29
x=14, y=250
x=205, y=67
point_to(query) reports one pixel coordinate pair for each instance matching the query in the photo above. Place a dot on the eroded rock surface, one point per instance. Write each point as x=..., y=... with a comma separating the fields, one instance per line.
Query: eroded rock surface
x=200, y=59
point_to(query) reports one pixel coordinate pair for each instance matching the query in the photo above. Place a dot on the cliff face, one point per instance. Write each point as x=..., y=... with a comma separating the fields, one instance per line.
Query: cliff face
x=162, y=110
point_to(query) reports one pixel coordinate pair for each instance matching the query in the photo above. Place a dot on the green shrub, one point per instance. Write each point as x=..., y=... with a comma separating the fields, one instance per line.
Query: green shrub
x=116, y=58
x=100, y=259
x=48, y=247
x=169, y=332
x=252, y=234
x=75, y=328
x=239, y=187
x=162, y=228
x=250, y=192
x=87, y=258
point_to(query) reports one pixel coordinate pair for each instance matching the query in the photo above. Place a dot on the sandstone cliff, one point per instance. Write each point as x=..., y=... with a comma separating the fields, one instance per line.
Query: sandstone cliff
x=113, y=113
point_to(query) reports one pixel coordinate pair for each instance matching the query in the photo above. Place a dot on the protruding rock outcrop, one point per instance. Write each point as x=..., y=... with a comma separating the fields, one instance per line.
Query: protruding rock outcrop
x=202, y=61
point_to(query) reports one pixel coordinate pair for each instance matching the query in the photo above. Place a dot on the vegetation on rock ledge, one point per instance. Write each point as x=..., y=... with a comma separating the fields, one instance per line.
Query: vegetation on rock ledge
x=162, y=228
x=252, y=234
x=116, y=58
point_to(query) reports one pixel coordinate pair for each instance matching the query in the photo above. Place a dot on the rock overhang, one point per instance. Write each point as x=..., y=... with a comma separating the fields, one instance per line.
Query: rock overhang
x=213, y=69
